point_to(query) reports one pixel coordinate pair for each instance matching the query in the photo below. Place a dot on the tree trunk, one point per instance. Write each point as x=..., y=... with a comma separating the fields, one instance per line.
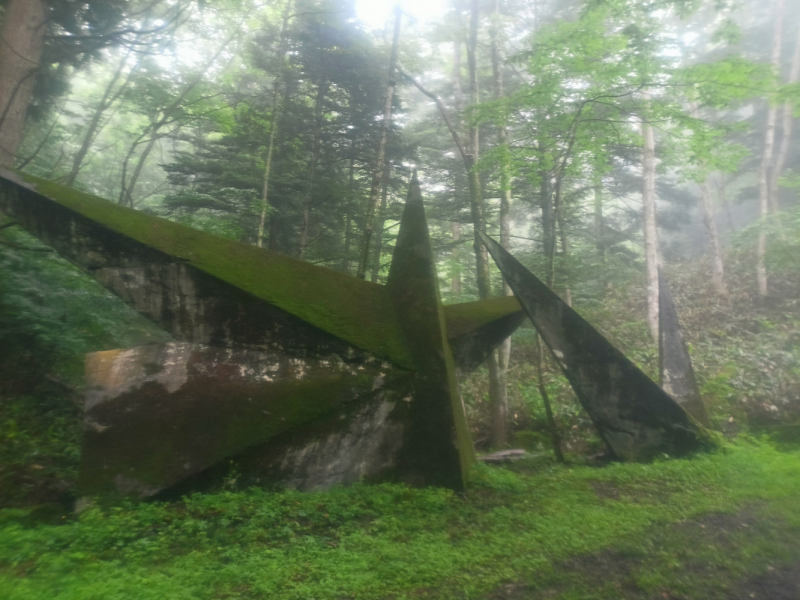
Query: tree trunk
x=766, y=160
x=565, y=250
x=498, y=399
x=379, y=225
x=504, y=351
x=548, y=410
x=475, y=192
x=599, y=232
x=787, y=121
x=22, y=35
x=649, y=225
x=348, y=221
x=273, y=129
x=458, y=92
x=316, y=144
x=455, y=257
x=377, y=176
x=717, y=268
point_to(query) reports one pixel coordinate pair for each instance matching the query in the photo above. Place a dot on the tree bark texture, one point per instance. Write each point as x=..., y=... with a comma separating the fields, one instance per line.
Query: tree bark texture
x=717, y=266
x=379, y=225
x=649, y=226
x=377, y=175
x=504, y=351
x=21, y=46
x=787, y=121
x=766, y=161
x=348, y=220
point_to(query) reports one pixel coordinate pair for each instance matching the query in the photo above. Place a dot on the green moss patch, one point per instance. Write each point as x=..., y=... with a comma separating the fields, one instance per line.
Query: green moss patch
x=349, y=308
x=674, y=527
x=468, y=316
x=354, y=310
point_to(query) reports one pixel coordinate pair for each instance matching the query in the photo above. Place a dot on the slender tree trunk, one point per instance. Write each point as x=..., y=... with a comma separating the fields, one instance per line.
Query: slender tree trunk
x=565, y=251
x=787, y=121
x=475, y=192
x=599, y=232
x=766, y=160
x=348, y=225
x=458, y=93
x=377, y=176
x=497, y=398
x=548, y=410
x=717, y=267
x=316, y=144
x=455, y=257
x=139, y=166
x=722, y=185
x=504, y=351
x=273, y=129
x=21, y=45
x=379, y=225
x=649, y=223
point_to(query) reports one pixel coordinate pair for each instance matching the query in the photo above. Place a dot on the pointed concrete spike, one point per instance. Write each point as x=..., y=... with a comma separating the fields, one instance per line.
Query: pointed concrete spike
x=438, y=447
x=635, y=418
x=674, y=363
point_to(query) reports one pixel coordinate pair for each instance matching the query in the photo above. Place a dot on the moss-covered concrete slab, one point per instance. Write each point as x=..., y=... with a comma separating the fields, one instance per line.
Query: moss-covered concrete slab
x=437, y=426
x=635, y=418
x=209, y=290
x=292, y=371
x=157, y=415
x=675, y=364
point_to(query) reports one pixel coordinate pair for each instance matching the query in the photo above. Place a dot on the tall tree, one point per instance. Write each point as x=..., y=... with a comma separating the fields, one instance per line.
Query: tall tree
x=22, y=35
x=379, y=169
x=787, y=121
x=766, y=161
x=274, y=120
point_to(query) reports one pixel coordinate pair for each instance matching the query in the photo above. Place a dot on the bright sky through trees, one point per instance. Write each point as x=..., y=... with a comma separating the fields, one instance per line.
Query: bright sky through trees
x=374, y=13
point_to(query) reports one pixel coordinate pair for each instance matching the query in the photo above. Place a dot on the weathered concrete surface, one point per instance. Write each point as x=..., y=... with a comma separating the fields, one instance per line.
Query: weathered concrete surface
x=674, y=363
x=293, y=371
x=156, y=415
x=471, y=341
x=207, y=290
x=635, y=418
x=437, y=424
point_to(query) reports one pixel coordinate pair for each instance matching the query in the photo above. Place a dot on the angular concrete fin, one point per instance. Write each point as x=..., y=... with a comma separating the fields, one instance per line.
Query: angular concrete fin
x=475, y=329
x=636, y=418
x=202, y=288
x=438, y=447
x=674, y=363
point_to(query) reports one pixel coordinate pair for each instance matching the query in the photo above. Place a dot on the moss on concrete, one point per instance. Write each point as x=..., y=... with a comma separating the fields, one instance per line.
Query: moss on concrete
x=348, y=308
x=466, y=317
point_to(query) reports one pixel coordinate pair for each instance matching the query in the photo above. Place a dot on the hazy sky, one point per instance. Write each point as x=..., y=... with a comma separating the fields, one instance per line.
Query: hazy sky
x=375, y=12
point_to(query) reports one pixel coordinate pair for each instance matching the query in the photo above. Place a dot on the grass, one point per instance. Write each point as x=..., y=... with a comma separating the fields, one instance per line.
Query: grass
x=511, y=530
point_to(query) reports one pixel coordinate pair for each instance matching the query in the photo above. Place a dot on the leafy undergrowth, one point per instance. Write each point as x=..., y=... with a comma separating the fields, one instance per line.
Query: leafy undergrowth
x=529, y=532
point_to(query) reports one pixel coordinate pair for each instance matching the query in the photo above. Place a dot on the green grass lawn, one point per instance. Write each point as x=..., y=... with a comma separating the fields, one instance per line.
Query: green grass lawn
x=700, y=528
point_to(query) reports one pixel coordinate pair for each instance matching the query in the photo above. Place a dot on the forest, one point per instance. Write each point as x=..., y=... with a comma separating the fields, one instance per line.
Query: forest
x=611, y=146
